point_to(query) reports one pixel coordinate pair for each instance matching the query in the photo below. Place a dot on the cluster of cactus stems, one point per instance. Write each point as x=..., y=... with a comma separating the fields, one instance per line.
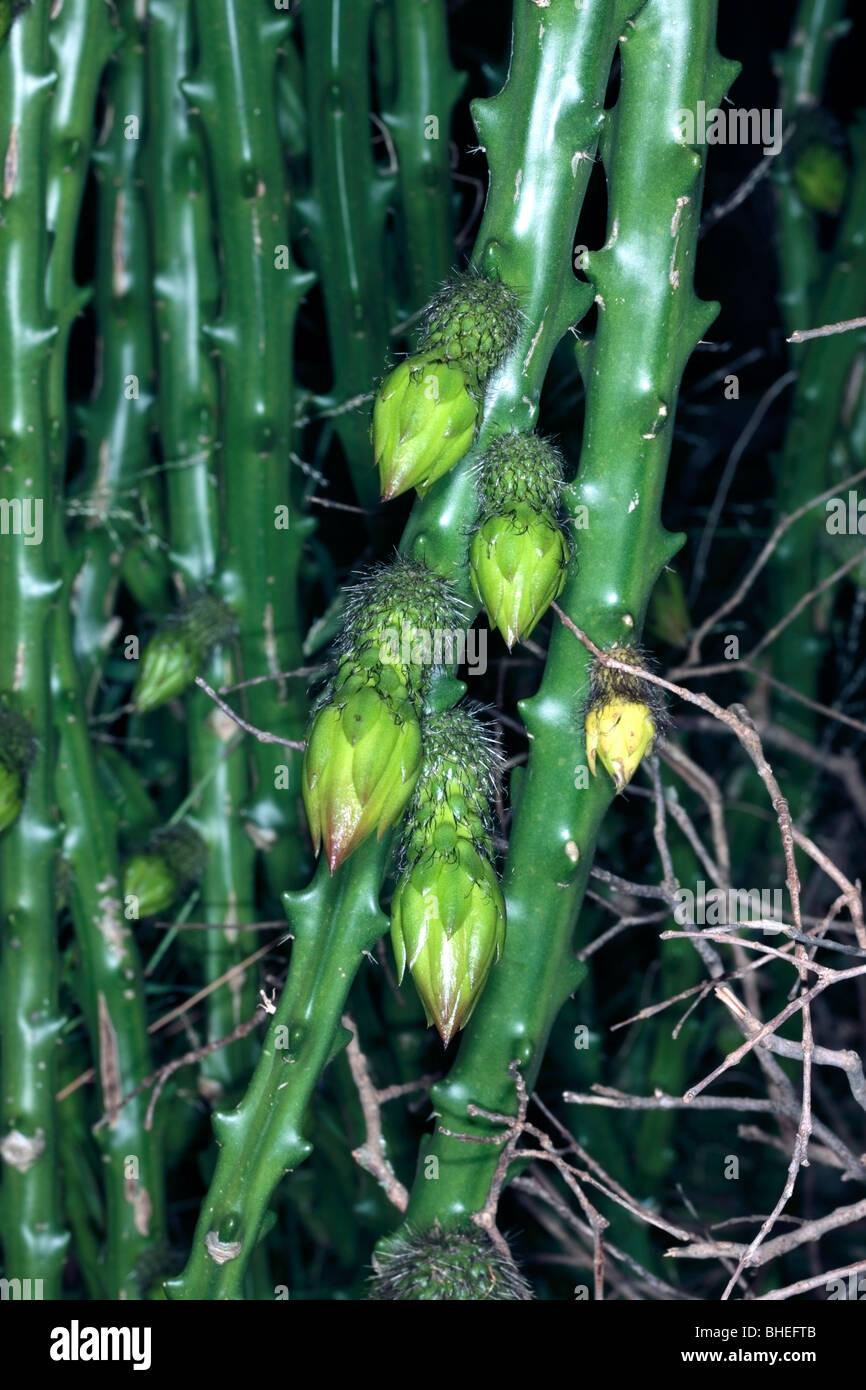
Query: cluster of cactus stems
x=230, y=179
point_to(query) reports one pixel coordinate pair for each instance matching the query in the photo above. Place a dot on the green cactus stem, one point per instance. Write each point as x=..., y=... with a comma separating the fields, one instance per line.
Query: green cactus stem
x=334, y=921
x=345, y=214
x=113, y=1001
x=117, y=502
x=31, y=1221
x=803, y=468
x=802, y=70
x=186, y=293
x=234, y=92
x=649, y=322
x=419, y=120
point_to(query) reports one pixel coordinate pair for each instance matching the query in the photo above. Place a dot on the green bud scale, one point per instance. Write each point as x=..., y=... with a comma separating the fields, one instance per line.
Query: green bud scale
x=445, y=1265
x=424, y=420
x=175, y=655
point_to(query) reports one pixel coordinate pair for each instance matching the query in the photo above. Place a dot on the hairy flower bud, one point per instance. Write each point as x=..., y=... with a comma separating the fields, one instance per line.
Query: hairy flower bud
x=364, y=748
x=426, y=409
x=174, y=656
x=17, y=746
x=424, y=421
x=473, y=322
x=820, y=176
x=518, y=556
x=148, y=878
x=445, y=1265
x=448, y=913
x=623, y=717
x=620, y=733
x=172, y=862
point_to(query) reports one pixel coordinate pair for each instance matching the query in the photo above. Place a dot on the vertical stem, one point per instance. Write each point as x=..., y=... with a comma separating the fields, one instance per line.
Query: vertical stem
x=113, y=988
x=118, y=496
x=186, y=293
x=31, y=1223
x=347, y=215
x=334, y=922
x=802, y=70
x=825, y=365
x=234, y=93
x=419, y=119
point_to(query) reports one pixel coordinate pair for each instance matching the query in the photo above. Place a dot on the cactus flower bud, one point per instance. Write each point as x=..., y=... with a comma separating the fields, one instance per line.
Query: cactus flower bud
x=426, y=409
x=17, y=746
x=623, y=718
x=519, y=562
x=619, y=733
x=172, y=862
x=472, y=322
x=364, y=748
x=423, y=423
x=445, y=1265
x=518, y=555
x=820, y=176
x=448, y=913
x=448, y=926
x=174, y=656
x=148, y=878
x=360, y=765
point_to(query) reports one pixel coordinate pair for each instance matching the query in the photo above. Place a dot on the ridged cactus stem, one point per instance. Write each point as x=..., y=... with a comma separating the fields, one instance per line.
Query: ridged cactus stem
x=113, y=994
x=186, y=291
x=334, y=922
x=82, y=41
x=234, y=92
x=649, y=322
x=419, y=119
x=802, y=70
x=824, y=368
x=31, y=1222
x=346, y=214
x=117, y=497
